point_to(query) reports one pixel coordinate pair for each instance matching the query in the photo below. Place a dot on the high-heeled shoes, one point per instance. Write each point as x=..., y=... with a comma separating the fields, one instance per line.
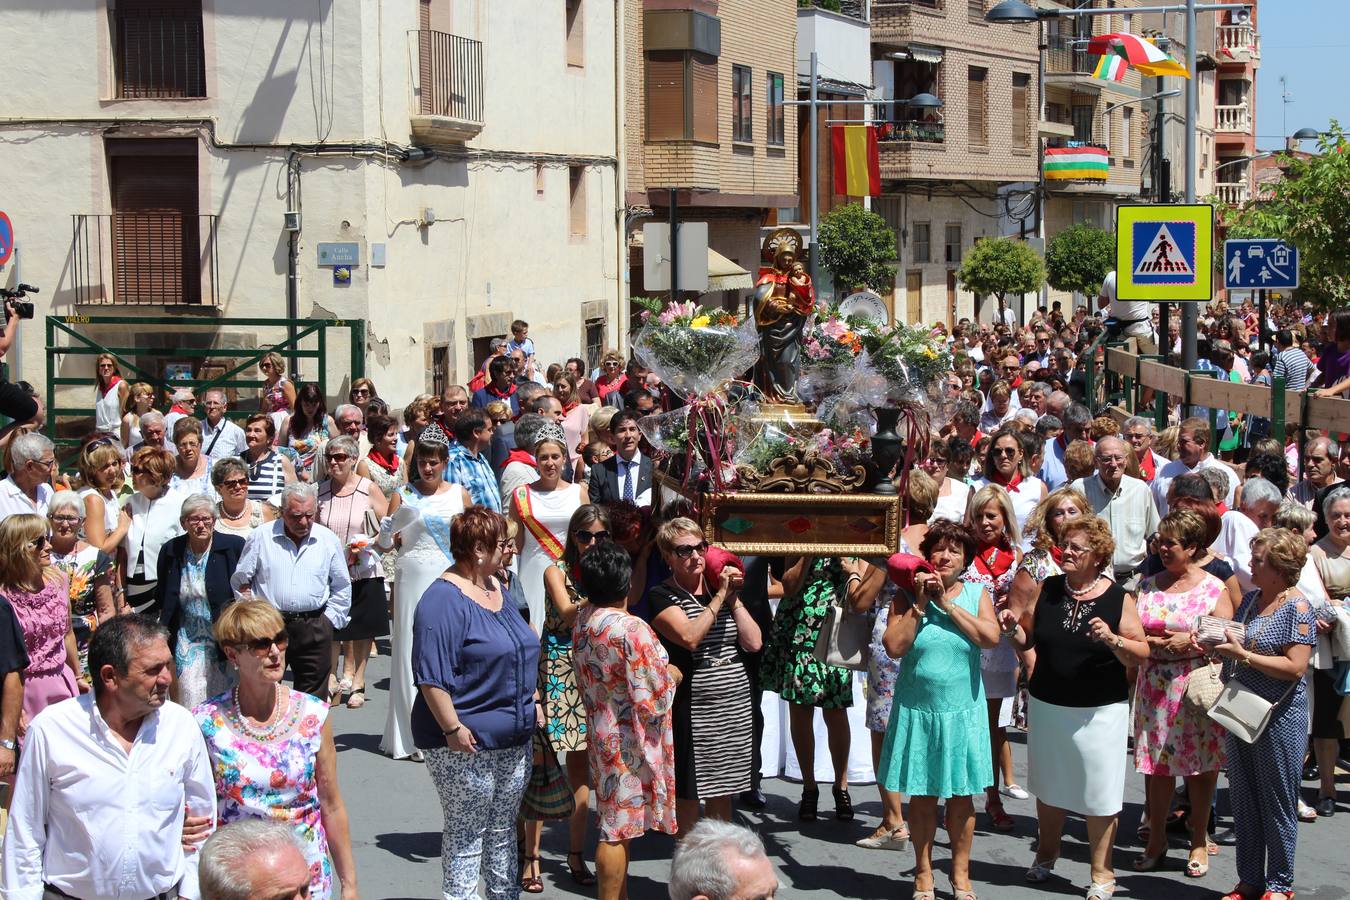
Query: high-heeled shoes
x=806, y=809
x=843, y=805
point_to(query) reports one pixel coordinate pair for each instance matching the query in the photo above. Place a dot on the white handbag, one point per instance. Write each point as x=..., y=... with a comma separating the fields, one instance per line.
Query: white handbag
x=1242, y=710
x=845, y=638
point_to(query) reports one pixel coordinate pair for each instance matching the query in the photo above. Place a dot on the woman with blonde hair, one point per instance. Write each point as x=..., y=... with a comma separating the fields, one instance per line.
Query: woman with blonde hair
x=278, y=394
x=613, y=380
x=39, y=592
x=110, y=395
x=1007, y=466
x=102, y=469
x=140, y=399
x=993, y=523
x=1060, y=507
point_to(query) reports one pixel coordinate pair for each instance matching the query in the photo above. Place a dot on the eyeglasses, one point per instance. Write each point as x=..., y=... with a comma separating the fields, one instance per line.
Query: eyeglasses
x=66, y=520
x=684, y=551
x=361, y=392
x=39, y=542
x=1003, y=451
x=235, y=483
x=45, y=463
x=263, y=646
x=201, y=520
x=1076, y=549
x=585, y=537
x=338, y=458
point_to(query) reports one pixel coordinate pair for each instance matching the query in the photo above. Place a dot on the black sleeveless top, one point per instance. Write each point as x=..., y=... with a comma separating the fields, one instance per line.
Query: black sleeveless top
x=1072, y=669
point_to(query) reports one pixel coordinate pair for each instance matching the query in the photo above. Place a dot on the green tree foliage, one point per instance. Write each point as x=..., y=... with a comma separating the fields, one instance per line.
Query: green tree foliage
x=1002, y=266
x=1078, y=258
x=1310, y=208
x=857, y=247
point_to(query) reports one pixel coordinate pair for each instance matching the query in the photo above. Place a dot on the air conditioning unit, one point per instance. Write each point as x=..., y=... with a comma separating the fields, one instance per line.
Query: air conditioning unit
x=1242, y=17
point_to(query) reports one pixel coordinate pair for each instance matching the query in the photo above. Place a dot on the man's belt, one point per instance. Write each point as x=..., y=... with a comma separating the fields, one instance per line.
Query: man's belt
x=305, y=614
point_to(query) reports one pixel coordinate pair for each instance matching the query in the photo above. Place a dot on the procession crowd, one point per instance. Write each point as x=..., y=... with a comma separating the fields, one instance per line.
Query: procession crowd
x=183, y=614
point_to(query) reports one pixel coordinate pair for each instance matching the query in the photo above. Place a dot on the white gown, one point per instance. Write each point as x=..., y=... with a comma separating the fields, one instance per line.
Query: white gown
x=553, y=510
x=423, y=557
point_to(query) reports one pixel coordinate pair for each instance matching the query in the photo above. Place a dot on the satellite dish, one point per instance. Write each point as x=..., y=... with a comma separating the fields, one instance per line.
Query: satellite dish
x=868, y=304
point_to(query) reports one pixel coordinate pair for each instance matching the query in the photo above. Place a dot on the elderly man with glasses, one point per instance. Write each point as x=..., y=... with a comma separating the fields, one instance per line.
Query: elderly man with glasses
x=221, y=438
x=184, y=402
x=1138, y=431
x=28, y=488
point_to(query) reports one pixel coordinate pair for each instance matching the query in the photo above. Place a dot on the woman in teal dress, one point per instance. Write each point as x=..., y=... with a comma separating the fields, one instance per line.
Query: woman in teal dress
x=937, y=742
x=790, y=668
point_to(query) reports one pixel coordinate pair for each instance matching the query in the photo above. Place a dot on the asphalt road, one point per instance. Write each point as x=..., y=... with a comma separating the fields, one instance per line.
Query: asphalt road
x=396, y=830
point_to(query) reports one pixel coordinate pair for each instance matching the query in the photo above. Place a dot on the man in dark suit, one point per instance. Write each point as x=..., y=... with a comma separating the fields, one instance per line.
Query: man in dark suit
x=627, y=475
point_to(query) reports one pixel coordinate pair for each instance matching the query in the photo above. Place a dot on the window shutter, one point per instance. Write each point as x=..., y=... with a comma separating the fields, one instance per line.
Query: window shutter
x=665, y=95
x=155, y=232
x=158, y=48
x=978, y=113
x=703, y=96
x=1021, y=137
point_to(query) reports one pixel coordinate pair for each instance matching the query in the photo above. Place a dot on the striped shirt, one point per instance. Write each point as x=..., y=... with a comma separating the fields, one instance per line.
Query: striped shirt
x=266, y=476
x=1294, y=367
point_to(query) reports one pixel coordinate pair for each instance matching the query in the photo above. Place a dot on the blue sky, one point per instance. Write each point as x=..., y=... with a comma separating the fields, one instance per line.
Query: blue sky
x=1301, y=40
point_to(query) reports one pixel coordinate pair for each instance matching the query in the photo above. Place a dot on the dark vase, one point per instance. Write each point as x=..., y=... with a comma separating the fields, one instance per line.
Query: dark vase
x=886, y=448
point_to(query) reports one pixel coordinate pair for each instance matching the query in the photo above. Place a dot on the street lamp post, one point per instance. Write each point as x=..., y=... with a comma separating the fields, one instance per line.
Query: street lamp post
x=1014, y=12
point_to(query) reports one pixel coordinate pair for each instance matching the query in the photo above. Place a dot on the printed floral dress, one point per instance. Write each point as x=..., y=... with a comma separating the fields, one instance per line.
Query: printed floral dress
x=202, y=670
x=1169, y=738
x=84, y=568
x=790, y=668
x=624, y=682
x=564, y=714
x=269, y=773
x=882, y=669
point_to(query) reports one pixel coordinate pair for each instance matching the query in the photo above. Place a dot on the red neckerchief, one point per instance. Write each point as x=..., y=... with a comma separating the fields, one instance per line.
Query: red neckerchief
x=1221, y=508
x=521, y=456
x=568, y=407
x=1148, y=467
x=103, y=392
x=178, y=409
x=1057, y=554
x=994, y=560
x=979, y=436
x=1016, y=383
x=1011, y=484
x=491, y=389
x=389, y=465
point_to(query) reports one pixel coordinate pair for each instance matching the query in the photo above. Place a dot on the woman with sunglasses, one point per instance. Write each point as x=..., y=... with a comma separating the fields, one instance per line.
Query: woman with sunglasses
x=140, y=399
x=613, y=381
x=235, y=512
x=543, y=509
x=89, y=570
x=278, y=394
x=705, y=628
x=110, y=393
x=361, y=394
x=564, y=715
x=307, y=430
x=39, y=592
x=192, y=470
x=346, y=503
x=953, y=492
x=153, y=512
x=272, y=748
x=192, y=588
x=102, y=468
x=1006, y=466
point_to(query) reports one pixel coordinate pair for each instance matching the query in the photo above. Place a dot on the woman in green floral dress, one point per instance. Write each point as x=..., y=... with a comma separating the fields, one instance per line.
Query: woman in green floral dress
x=810, y=586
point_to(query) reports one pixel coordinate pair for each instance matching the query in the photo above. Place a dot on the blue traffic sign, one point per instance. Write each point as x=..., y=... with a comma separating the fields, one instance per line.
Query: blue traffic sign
x=1164, y=252
x=1260, y=264
x=6, y=239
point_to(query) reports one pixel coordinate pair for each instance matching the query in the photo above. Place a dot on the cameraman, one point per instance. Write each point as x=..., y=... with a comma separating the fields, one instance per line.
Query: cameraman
x=15, y=402
x=1131, y=319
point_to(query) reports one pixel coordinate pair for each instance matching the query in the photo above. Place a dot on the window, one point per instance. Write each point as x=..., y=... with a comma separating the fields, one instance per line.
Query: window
x=953, y=243
x=1021, y=132
x=539, y=180
x=923, y=242
x=595, y=343
x=742, y=126
x=440, y=365
x=1127, y=139
x=157, y=49
x=576, y=181
x=681, y=96
x=977, y=106
x=575, y=35
x=775, y=111
x=156, y=246
x=1083, y=118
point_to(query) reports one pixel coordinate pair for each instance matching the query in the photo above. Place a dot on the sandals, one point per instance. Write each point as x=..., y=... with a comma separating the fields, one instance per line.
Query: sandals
x=580, y=874
x=963, y=893
x=999, y=819
x=1040, y=870
x=806, y=809
x=1196, y=868
x=886, y=839
x=530, y=884
x=924, y=895
x=843, y=805
x=1146, y=863
x=356, y=698
x=1100, y=891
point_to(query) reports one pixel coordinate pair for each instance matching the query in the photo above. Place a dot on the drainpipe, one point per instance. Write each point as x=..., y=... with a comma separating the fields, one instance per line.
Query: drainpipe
x=620, y=185
x=293, y=249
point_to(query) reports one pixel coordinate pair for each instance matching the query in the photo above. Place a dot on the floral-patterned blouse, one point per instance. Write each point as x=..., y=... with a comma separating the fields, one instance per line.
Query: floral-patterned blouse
x=269, y=773
x=45, y=619
x=629, y=695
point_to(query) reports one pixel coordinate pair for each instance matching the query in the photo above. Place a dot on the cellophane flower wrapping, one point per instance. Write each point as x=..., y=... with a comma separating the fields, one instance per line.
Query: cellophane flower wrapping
x=710, y=428
x=845, y=395
x=695, y=350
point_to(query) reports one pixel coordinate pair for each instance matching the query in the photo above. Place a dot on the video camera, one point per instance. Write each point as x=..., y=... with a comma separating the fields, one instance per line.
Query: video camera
x=14, y=300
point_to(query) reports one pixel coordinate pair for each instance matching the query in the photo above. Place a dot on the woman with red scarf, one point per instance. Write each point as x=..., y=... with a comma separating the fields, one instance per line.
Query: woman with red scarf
x=991, y=520
x=1006, y=466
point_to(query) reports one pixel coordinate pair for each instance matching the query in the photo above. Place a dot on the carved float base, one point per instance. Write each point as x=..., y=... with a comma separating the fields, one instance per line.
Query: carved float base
x=812, y=524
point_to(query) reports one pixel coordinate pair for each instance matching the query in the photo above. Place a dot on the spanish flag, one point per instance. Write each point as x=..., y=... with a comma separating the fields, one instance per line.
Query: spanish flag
x=857, y=167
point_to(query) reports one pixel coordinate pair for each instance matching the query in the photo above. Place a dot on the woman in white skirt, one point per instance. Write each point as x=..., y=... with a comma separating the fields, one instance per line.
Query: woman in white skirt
x=1086, y=630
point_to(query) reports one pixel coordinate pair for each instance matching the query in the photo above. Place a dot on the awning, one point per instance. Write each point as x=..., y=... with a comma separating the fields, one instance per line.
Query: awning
x=725, y=275
x=925, y=54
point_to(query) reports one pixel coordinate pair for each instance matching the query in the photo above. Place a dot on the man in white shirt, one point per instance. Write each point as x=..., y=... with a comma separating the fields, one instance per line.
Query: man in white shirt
x=351, y=422
x=154, y=433
x=1260, y=502
x=1192, y=454
x=184, y=403
x=105, y=780
x=300, y=567
x=1131, y=319
x=27, y=489
x=1139, y=431
x=1126, y=505
x=221, y=438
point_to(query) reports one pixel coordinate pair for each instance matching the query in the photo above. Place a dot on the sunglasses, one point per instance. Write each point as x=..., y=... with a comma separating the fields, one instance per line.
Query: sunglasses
x=338, y=458
x=235, y=483
x=684, y=551
x=1003, y=451
x=263, y=646
x=586, y=537
x=39, y=542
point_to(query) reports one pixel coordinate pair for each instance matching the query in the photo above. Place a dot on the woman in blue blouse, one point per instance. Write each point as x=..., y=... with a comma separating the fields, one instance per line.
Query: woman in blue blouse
x=475, y=662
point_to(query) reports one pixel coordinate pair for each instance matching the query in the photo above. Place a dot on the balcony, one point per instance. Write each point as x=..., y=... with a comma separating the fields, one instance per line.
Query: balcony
x=1068, y=64
x=1237, y=118
x=145, y=259
x=923, y=132
x=1238, y=43
x=447, y=87
x=900, y=21
x=158, y=54
x=1232, y=193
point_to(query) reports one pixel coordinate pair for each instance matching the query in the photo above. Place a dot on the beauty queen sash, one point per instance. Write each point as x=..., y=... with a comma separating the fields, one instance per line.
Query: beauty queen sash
x=521, y=498
x=436, y=525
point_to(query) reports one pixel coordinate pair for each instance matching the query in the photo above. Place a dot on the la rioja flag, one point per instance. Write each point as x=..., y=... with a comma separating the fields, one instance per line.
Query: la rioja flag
x=857, y=166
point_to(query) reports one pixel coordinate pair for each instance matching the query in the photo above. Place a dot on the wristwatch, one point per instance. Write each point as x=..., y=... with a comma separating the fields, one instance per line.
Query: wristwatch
x=9, y=745
x=1120, y=642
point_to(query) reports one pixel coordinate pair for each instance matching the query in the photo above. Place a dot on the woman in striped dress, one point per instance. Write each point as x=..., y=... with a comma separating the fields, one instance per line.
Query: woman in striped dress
x=268, y=470
x=704, y=629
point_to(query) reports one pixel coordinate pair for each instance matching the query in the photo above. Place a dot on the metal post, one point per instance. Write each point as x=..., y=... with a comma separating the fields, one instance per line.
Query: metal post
x=674, y=248
x=1162, y=193
x=1264, y=335
x=813, y=258
x=1189, y=314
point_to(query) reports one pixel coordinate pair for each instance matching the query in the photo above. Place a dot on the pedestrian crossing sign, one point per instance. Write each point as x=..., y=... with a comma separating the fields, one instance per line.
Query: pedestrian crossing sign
x=1165, y=252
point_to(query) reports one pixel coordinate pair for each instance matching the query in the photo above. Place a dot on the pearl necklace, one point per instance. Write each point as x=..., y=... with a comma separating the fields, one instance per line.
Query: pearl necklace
x=1079, y=592
x=266, y=730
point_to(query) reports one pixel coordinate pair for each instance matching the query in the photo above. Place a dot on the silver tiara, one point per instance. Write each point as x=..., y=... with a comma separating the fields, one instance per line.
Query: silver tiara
x=551, y=432
x=434, y=434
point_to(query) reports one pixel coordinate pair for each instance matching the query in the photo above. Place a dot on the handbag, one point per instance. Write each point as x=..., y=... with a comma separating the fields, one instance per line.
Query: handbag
x=845, y=638
x=547, y=793
x=1202, y=688
x=1241, y=710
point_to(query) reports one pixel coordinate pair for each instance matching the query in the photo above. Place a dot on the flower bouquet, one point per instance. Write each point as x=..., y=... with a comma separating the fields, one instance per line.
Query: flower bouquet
x=693, y=349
